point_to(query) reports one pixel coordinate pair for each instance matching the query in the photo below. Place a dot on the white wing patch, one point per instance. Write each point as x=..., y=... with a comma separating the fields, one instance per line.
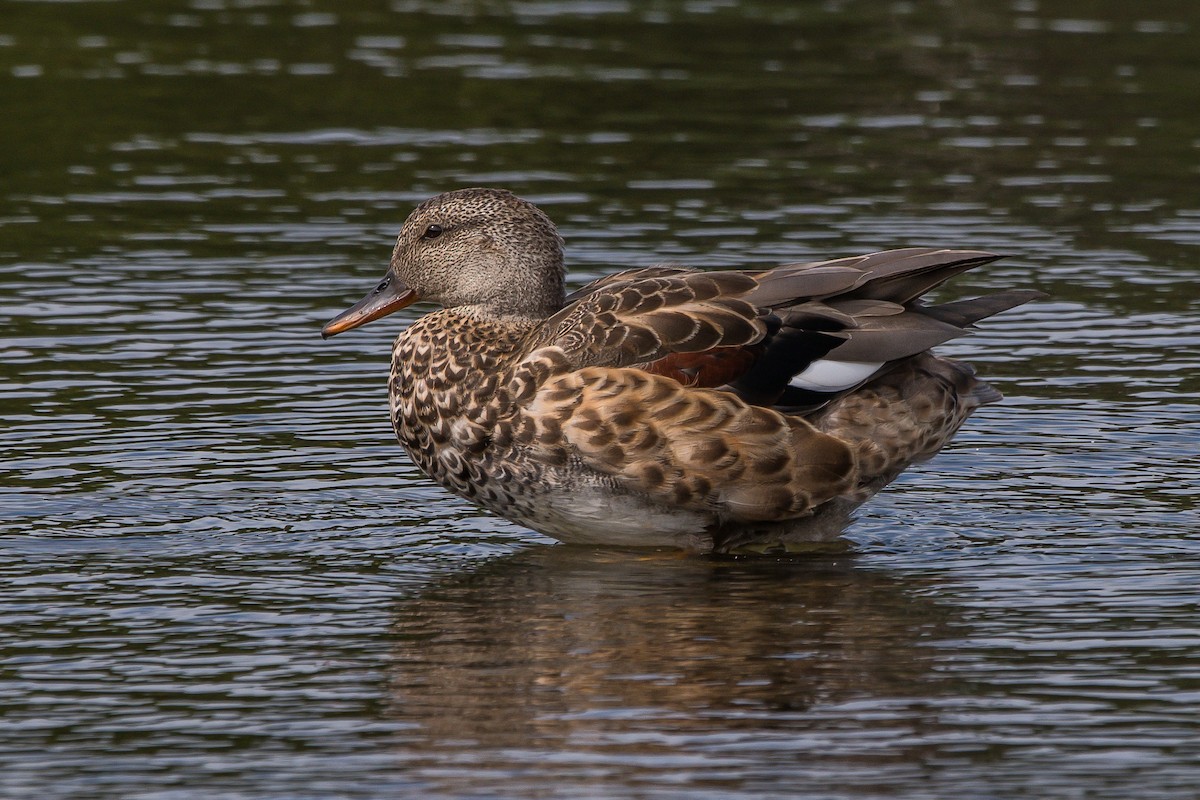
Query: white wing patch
x=827, y=375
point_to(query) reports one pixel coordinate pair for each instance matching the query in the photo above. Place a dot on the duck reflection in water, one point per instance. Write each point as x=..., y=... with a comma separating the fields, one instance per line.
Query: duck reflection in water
x=623, y=654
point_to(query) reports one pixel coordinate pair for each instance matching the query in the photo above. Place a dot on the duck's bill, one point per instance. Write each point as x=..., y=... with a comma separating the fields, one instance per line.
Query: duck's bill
x=390, y=295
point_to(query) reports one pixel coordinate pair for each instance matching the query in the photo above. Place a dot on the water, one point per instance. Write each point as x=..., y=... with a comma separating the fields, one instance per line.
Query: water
x=222, y=578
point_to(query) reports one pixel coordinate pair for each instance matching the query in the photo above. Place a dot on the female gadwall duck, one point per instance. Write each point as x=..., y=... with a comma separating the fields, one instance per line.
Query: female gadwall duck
x=666, y=405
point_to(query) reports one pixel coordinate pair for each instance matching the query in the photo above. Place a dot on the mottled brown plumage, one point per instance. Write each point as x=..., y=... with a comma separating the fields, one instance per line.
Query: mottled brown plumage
x=664, y=405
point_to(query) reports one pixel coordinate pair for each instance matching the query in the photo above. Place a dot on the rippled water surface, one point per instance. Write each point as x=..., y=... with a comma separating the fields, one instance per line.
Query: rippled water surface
x=223, y=579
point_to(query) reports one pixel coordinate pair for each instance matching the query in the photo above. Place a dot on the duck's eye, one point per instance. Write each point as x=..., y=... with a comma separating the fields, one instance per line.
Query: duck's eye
x=432, y=232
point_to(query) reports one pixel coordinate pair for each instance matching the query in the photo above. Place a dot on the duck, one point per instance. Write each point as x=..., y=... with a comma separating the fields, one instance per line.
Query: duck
x=716, y=411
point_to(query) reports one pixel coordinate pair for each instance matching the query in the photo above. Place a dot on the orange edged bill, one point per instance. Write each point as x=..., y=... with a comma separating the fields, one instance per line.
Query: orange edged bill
x=390, y=295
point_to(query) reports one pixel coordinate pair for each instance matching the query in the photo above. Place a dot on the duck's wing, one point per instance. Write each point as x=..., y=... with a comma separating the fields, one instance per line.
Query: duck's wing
x=898, y=276
x=795, y=336
x=641, y=316
x=885, y=321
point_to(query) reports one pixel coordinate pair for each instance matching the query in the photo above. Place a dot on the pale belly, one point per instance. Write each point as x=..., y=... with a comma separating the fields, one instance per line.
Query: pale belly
x=595, y=516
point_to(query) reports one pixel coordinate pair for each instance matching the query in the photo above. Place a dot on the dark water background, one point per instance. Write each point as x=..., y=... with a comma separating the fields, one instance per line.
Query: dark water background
x=220, y=578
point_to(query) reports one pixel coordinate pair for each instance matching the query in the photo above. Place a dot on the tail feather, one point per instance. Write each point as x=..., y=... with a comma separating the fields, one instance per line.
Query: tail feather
x=962, y=313
x=901, y=276
x=983, y=393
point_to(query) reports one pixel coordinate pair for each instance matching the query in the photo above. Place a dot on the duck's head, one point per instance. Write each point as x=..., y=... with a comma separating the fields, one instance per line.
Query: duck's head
x=485, y=251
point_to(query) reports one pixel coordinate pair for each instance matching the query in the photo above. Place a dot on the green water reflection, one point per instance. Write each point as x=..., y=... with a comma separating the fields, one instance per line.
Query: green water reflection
x=201, y=114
